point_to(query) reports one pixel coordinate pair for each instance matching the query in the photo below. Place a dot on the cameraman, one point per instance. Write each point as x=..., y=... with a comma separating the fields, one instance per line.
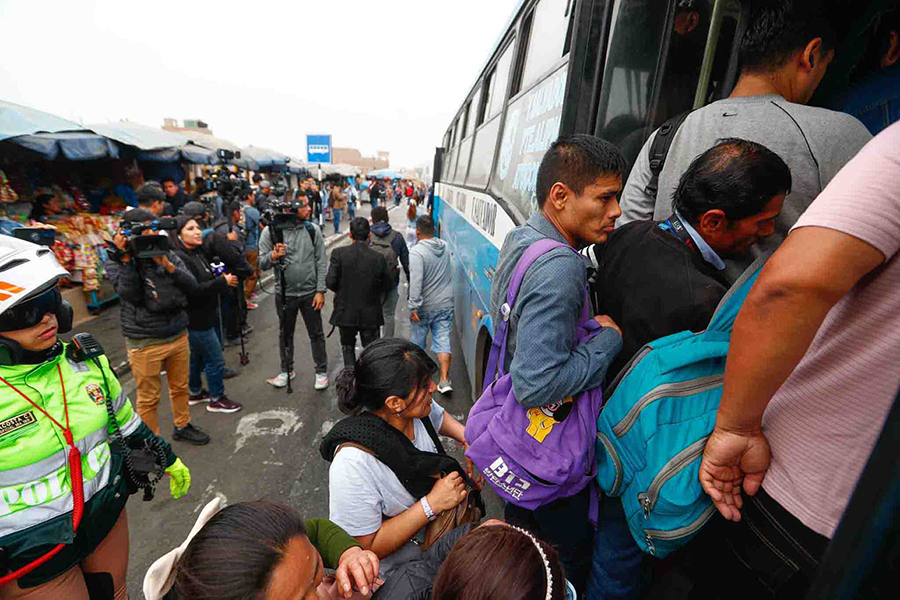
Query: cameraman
x=153, y=294
x=249, y=223
x=221, y=240
x=302, y=260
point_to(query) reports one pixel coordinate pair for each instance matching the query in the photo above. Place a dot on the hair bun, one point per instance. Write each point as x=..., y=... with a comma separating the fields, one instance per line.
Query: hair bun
x=347, y=391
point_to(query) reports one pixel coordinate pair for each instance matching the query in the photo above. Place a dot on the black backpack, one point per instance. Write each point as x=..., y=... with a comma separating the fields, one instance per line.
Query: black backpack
x=659, y=149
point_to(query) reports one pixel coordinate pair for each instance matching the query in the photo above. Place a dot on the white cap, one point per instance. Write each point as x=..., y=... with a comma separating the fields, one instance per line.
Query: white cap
x=26, y=269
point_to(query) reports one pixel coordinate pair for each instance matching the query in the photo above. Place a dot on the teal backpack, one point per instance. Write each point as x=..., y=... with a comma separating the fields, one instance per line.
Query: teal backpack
x=652, y=431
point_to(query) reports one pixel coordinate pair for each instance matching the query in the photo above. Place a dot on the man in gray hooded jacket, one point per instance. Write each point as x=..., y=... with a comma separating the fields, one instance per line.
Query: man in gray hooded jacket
x=431, y=296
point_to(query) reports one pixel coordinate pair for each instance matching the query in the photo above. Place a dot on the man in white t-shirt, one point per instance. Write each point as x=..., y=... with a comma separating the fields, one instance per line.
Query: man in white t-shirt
x=812, y=373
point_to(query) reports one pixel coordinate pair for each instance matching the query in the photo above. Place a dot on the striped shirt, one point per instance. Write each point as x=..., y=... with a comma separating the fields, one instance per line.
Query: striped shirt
x=823, y=422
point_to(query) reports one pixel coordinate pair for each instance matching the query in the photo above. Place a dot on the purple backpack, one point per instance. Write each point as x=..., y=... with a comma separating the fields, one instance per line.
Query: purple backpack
x=533, y=456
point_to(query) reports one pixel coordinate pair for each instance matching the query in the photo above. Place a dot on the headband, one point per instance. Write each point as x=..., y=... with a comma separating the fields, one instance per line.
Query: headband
x=540, y=550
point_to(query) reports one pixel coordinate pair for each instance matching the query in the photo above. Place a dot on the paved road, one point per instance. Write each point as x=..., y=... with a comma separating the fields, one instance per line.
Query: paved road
x=269, y=449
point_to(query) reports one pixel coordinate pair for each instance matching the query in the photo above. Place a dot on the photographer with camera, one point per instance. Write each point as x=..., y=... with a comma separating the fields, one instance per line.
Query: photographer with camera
x=72, y=449
x=296, y=249
x=249, y=224
x=153, y=286
x=222, y=242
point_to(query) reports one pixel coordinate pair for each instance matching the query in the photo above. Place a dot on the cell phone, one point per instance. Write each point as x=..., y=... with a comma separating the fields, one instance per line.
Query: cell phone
x=36, y=235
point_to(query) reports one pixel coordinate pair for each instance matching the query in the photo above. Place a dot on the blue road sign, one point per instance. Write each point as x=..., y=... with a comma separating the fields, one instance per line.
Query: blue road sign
x=318, y=148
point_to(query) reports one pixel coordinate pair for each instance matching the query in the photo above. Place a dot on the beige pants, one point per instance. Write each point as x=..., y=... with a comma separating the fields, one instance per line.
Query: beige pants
x=111, y=556
x=146, y=366
x=250, y=282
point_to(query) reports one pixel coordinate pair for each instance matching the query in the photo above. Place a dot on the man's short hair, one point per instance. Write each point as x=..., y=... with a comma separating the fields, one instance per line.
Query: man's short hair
x=778, y=29
x=425, y=225
x=265, y=183
x=257, y=178
x=194, y=209
x=736, y=176
x=359, y=229
x=577, y=161
x=138, y=215
x=245, y=193
x=150, y=193
x=165, y=179
x=379, y=214
x=237, y=205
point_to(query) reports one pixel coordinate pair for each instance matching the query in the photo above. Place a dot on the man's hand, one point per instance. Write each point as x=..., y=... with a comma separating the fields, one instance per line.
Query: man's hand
x=414, y=317
x=606, y=321
x=472, y=472
x=279, y=251
x=733, y=460
x=165, y=263
x=357, y=568
x=232, y=235
x=232, y=280
x=318, y=301
x=120, y=241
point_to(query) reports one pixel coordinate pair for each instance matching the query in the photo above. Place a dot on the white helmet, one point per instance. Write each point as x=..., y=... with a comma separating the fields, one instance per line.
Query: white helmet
x=27, y=270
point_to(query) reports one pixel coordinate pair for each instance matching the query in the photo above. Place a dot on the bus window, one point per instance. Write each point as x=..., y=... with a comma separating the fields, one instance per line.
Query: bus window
x=483, y=155
x=447, y=140
x=501, y=78
x=640, y=91
x=462, y=163
x=473, y=108
x=486, y=90
x=524, y=40
x=465, y=119
x=550, y=20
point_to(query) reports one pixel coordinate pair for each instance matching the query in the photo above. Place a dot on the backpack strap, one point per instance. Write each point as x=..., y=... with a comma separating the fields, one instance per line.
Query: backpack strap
x=429, y=427
x=498, y=347
x=659, y=149
x=730, y=305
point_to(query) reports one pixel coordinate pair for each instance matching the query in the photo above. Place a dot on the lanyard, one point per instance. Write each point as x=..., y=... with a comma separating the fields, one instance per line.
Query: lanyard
x=75, y=476
x=678, y=229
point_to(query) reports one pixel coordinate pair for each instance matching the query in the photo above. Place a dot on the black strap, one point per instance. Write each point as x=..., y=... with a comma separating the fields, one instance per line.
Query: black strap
x=429, y=427
x=659, y=149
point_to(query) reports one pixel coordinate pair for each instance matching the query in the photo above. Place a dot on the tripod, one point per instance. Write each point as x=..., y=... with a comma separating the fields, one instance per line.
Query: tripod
x=279, y=266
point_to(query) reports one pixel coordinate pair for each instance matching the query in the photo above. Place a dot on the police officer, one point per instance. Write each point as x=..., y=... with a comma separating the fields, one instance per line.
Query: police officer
x=65, y=424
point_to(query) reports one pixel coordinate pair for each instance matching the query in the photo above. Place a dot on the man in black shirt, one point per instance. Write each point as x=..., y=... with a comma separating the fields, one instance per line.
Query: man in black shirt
x=659, y=278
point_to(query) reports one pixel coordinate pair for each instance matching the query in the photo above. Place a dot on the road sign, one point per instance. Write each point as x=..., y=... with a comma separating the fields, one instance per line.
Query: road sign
x=318, y=148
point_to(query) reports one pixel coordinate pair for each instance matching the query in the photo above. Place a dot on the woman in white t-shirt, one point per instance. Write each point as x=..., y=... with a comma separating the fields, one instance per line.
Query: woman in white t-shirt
x=392, y=380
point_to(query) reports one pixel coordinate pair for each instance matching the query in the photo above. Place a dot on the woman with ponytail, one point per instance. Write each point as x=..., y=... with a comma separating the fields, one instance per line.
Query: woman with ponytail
x=389, y=478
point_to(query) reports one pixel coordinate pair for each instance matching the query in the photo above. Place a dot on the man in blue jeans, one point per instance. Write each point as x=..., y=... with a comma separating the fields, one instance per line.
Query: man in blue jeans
x=431, y=296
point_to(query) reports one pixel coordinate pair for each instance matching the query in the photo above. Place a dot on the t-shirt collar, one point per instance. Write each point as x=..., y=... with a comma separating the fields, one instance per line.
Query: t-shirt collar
x=706, y=251
x=542, y=225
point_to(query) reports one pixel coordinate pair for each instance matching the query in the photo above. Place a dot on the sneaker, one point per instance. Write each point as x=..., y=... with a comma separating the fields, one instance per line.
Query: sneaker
x=251, y=305
x=444, y=387
x=223, y=405
x=254, y=297
x=195, y=399
x=191, y=435
x=229, y=373
x=280, y=380
x=247, y=330
x=321, y=381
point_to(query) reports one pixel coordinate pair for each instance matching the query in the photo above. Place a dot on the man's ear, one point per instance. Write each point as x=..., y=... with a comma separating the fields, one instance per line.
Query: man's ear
x=559, y=195
x=712, y=222
x=811, y=55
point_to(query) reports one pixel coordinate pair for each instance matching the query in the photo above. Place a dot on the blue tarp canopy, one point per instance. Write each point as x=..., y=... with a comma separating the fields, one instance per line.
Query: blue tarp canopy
x=384, y=174
x=73, y=145
x=16, y=120
x=255, y=158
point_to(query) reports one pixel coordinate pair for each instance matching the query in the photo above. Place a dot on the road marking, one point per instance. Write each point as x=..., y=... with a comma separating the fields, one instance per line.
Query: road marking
x=249, y=425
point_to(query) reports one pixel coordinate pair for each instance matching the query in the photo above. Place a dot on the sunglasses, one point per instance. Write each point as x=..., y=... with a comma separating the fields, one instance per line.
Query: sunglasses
x=31, y=312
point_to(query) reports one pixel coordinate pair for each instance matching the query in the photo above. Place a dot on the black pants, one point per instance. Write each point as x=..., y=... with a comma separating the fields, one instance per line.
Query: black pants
x=287, y=319
x=566, y=525
x=234, y=311
x=348, y=341
x=769, y=553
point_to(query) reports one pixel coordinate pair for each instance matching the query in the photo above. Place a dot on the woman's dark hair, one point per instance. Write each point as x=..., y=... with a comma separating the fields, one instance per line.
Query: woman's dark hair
x=233, y=556
x=498, y=563
x=736, y=176
x=387, y=367
x=411, y=212
x=39, y=208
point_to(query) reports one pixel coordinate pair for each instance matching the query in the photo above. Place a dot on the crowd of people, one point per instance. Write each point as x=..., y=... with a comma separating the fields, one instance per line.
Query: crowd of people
x=630, y=257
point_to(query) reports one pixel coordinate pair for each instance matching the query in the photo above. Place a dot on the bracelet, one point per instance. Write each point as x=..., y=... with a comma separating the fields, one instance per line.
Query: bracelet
x=429, y=514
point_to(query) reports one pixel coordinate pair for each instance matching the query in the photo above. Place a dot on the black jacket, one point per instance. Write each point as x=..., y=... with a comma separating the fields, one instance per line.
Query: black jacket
x=217, y=245
x=653, y=285
x=152, y=301
x=203, y=304
x=359, y=277
x=414, y=580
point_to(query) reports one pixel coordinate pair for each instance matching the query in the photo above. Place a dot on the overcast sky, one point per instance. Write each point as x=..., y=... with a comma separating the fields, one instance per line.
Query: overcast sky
x=376, y=75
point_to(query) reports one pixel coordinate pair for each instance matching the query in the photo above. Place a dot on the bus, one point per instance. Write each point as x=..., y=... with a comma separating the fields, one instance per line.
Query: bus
x=617, y=69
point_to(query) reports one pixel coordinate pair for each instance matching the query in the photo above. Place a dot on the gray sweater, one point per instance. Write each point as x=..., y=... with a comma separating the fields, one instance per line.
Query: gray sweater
x=430, y=281
x=814, y=142
x=305, y=264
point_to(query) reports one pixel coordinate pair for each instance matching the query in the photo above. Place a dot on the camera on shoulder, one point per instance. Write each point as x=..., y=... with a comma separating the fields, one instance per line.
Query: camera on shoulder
x=147, y=246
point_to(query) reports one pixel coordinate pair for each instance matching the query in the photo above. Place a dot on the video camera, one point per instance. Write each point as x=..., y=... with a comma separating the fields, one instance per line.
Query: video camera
x=281, y=213
x=147, y=246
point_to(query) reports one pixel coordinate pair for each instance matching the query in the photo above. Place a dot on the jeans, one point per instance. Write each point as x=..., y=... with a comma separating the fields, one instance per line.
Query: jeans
x=351, y=209
x=206, y=355
x=390, y=309
x=616, y=571
x=438, y=322
x=146, y=365
x=348, y=341
x=287, y=319
x=336, y=216
x=564, y=524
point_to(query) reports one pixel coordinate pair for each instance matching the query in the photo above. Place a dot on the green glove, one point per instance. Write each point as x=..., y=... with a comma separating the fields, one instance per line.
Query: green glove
x=180, y=479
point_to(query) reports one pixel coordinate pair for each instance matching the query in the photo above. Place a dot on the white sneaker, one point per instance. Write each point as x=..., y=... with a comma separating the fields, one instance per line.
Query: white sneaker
x=444, y=387
x=280, y=380
x=321, y=381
